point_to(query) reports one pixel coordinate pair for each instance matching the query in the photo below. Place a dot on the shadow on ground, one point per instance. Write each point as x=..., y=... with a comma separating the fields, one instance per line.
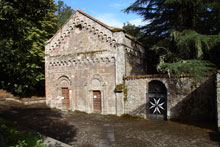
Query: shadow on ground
x=43, y=120
x=80, y=129
x=215, y=136
x=209, y=125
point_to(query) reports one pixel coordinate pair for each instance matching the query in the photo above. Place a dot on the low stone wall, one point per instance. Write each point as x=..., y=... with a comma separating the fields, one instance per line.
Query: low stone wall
x=27, y=101
x=186, y=100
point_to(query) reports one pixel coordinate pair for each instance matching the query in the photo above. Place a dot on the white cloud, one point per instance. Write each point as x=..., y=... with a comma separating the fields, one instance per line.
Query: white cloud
x=118, y=5
x=110, y=19
x=138, y=22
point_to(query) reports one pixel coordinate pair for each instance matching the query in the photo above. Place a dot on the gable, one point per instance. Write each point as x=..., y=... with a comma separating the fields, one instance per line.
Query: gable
x=81, y=33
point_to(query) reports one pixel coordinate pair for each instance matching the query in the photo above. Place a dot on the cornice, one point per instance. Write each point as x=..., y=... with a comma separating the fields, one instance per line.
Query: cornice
x=85, y=61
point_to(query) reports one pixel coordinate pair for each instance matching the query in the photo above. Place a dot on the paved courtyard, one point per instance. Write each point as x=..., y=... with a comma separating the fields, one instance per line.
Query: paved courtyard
x=94, y=130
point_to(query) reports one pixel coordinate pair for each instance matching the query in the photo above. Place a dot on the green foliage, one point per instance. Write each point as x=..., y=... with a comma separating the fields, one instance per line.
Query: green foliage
x=198, y=68
x=25, y=26
x=166, y=15
x=183, y=34
x=195, y=44
x=133, y=30
x=14, y=138
x=63, y=13
x=193, y=54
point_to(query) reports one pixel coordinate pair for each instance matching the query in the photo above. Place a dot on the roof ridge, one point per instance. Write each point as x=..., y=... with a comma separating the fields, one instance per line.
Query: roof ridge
x=93, y=18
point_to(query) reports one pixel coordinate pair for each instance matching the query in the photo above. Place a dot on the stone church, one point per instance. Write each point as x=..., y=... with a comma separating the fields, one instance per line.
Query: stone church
x=95, y=68
x=85, y=61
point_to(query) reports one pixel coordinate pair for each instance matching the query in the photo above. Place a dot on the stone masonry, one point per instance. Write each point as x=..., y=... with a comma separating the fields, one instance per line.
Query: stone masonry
x=186, y=99
x=85, y=57
x=92, y=67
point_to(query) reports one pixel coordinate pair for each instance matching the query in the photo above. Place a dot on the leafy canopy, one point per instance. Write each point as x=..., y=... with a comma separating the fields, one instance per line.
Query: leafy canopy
x=25, y=26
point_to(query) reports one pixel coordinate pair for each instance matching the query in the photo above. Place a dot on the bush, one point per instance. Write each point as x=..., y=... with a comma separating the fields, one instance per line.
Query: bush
x=14, y=138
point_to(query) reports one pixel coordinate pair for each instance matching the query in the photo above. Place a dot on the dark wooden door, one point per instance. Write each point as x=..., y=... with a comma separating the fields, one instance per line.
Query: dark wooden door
x=157, y=101
x=157, y=105
x=65, y=94
x=97, y=107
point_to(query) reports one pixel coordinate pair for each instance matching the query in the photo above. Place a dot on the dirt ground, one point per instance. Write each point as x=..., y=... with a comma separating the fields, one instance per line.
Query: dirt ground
x=94, y=130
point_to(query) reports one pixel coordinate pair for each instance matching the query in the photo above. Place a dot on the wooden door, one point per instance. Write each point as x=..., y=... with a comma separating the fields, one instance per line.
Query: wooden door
x=97, y=106
x=157, y=101
x=65, y=94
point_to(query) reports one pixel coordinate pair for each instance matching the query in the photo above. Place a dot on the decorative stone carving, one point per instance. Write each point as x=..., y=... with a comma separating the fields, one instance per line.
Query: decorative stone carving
x=90, y=25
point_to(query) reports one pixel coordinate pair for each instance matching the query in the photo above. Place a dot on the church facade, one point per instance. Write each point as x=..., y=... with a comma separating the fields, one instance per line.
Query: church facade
x=85, y=63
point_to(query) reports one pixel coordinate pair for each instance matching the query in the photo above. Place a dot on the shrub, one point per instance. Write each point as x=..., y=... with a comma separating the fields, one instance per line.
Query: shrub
x=14, y=138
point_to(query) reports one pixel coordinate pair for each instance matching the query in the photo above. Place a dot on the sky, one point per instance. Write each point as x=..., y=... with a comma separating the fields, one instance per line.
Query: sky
x=107, y=11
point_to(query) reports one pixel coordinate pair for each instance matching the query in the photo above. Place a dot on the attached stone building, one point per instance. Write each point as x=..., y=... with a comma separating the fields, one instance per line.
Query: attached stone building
x=85, y=61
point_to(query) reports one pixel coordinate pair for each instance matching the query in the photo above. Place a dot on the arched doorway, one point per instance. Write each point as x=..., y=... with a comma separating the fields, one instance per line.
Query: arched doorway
x=64, y=87
x=97, y=93
x=157, y=100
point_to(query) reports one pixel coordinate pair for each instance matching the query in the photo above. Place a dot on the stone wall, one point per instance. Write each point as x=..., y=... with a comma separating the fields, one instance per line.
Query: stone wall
x=186, y=100
x=134, y=57
x=81, y=82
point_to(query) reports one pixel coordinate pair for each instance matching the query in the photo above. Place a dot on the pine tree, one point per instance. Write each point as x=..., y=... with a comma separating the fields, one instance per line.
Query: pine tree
x=63, y=13
x=183, y=33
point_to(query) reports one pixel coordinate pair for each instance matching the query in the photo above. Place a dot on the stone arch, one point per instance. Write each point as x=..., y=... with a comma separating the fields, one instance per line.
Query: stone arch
x=64, y=81
x=97, y=76
x=156, y=100
x=64, y=92
x=157, y=86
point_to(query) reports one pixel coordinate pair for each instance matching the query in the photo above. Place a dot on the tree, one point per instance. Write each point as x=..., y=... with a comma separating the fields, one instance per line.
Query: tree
x=132, y=30
x=182, y=32
x=63, y=13
x=25, y=26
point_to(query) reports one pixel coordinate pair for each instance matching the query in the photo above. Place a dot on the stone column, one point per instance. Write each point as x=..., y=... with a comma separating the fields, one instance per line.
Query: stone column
x=104, y=99
x=218, y=98
x=47, y=83
x=120, y=71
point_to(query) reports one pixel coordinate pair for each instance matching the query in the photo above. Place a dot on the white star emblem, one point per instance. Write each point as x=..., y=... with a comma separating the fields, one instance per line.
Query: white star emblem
x=157, y=106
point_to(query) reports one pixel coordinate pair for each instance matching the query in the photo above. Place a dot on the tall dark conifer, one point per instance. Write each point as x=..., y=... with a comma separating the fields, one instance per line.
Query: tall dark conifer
x=182, y=33
x=63, y=13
